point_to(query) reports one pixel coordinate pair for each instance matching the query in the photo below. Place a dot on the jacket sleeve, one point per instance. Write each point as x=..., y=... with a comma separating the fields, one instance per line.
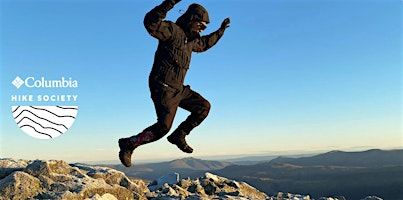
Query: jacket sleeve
x=153, y=21
x=206, y=42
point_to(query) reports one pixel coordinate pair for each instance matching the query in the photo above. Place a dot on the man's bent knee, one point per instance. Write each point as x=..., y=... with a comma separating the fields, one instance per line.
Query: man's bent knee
x=205, y=110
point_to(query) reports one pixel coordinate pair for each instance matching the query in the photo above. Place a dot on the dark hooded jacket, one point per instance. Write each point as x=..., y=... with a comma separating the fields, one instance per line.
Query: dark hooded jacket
x=176, y=42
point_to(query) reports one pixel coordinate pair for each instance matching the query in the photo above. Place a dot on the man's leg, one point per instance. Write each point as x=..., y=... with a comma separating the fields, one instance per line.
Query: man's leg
x=199, y=109
x=166, y=105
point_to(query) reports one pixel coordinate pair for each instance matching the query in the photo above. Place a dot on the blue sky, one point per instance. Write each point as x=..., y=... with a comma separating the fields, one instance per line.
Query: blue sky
x=287, y=76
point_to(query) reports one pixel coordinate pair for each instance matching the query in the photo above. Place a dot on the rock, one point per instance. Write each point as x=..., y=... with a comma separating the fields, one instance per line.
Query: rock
x=298, y=196
x=52, y=179
x=196, y=189
x=58, y=180
x=208, y=187
x=180, y=191
x=372, y=198
x=106, y=196
x=185, y=183
x=221, y=186
x=332, y=198
x=20, y=185
x=114, y=177
x=9, y=165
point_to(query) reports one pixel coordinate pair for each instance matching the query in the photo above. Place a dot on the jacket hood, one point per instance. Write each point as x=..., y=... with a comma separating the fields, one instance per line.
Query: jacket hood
x=195, y=12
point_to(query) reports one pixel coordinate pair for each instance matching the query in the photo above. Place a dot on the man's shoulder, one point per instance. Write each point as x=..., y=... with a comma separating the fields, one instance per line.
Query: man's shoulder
x=175, y=27
x=173, y=24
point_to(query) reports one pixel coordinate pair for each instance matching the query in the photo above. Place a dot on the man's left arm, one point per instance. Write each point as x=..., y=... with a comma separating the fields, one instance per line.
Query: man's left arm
x=206, y=42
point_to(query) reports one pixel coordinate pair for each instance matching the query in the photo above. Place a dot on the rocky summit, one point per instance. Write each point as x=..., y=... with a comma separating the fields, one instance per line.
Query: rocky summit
x=53, y=179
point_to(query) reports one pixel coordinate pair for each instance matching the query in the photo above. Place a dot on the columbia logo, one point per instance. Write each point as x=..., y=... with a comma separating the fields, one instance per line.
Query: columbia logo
x=17, y=82
x=32, y=82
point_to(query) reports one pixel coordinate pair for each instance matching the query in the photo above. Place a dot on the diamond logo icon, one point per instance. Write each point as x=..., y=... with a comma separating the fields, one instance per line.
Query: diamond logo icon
x=17, y=82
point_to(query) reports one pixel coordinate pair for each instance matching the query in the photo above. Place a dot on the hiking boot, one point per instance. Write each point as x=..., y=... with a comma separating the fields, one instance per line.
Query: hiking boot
x=180, y=142
x=126, y=150
x=127, y=146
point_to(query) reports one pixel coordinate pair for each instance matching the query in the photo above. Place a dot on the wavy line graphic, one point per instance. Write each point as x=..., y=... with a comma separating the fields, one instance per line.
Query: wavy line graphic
x=64, y=107
x=44, y=122
x=16, y=117
x=38, y=132
x=39, y=108
x=31, y=120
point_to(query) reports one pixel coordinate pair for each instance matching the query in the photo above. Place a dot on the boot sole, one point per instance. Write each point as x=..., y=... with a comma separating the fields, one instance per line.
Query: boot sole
x=186, y=150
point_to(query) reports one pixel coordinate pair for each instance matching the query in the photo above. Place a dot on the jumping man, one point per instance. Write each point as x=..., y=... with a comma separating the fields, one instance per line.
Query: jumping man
x=176, y=42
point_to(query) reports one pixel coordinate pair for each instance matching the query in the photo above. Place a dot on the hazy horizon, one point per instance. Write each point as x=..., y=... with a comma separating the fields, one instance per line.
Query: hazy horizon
x=228, y=158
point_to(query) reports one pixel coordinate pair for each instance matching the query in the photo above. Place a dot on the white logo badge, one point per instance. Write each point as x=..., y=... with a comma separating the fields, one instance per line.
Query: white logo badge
x=44, y=122
x=45, y=118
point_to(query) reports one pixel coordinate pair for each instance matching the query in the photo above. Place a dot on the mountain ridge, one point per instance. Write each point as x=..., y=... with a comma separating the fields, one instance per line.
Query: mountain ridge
x=336, y=172
x=372, y=157
x=188, y=167
x=360, y=172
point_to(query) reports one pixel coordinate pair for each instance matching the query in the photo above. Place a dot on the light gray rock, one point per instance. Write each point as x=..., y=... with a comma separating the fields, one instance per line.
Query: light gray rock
x=19, y=185
x=332, y=198
x=106, y=196
x=51, y=179
x=372, y=198
x=9, y=165
x=114, y=177
x=209, y=187
x=224, y=187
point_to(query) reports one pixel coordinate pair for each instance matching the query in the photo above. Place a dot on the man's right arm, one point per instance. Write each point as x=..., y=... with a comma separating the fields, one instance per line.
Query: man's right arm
x=207, y=41
x=153, y=21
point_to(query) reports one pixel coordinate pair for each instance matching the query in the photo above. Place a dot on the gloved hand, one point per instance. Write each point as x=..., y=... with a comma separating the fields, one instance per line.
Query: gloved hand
x=225, y=23
x=175, y=1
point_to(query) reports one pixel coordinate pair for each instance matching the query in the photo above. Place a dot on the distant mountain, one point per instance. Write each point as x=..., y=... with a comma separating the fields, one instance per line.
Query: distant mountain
x=197, y=164
x=187, y=167
x=253, y=160
x=336, y=173
x=374, y=157
x=351, y=174
x=250, y=160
